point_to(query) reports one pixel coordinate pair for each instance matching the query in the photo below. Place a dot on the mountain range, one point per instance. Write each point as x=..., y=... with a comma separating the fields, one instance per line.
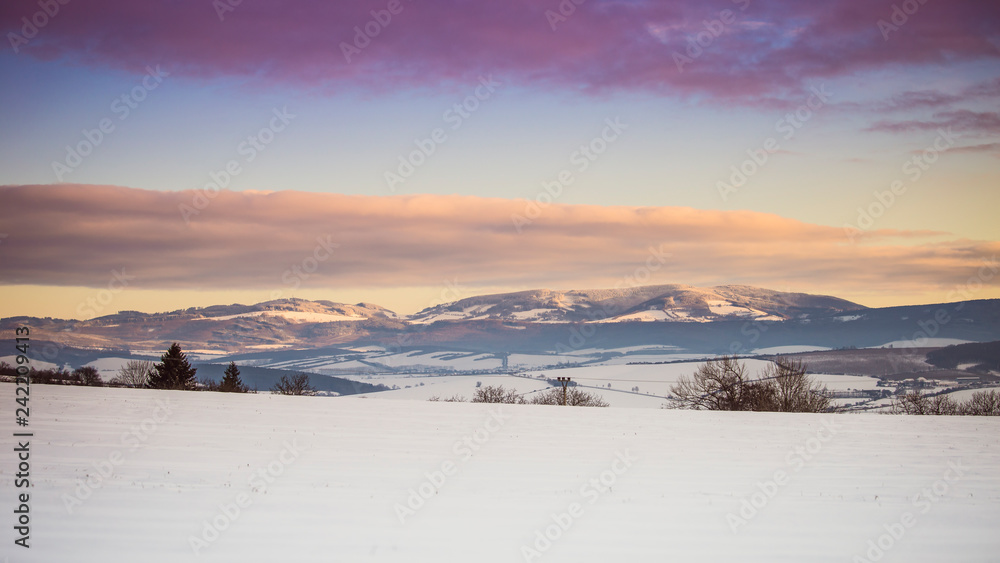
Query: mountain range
x=715, y=319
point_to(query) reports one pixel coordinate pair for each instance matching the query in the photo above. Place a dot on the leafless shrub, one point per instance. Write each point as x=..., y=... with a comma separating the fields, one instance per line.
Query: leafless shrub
x=297, y=385
x=574, y=398
x=135, y=373
x=982, y=403
x=497, y=394
x=453, y=399
x=89, y=376
x=725, y=385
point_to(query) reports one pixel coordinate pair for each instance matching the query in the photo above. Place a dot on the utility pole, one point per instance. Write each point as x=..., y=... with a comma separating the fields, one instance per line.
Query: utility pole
x=565, y=381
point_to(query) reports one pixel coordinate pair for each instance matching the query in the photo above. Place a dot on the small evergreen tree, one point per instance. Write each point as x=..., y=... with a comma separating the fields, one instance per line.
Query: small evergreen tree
x=231, y=382
x=173, y=372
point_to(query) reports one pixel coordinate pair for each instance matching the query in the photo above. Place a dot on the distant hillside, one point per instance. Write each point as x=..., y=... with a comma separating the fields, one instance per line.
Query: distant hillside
x=284, y=323
x=676, y=303
x=717, y=320
x=985, y=356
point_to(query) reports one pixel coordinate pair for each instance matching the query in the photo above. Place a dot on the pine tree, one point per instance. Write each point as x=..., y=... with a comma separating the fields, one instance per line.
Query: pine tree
x=173, y=372
x=231, y=382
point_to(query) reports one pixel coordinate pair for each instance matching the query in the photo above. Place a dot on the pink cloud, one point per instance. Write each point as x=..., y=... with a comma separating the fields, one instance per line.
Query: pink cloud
x=771, y=50
x=982, y=123
x=75, y=235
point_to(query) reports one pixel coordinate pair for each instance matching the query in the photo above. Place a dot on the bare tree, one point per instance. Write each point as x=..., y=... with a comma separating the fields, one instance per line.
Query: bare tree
x=297, y=385
x=943, y=405
x=497, y=394
x=915, y=402
x=89, y=375
x=718, y=385
x=135, y=373
x=791, y=389
x=574, y=398
x=725, y=385
x=982, y=403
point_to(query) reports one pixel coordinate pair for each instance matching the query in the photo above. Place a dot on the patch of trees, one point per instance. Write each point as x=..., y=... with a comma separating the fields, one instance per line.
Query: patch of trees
x=986, y=356
x=726, y=385
x=554, y=396
x=574, y=397
x=497, y=394
x=982, y=403
x=86, y=375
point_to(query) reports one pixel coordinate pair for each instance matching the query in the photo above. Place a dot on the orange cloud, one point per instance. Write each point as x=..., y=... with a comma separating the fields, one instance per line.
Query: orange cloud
x=76, y=235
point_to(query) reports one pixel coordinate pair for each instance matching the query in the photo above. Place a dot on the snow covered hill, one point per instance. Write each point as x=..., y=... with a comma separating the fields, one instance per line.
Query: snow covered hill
x=688, y=319
x=121, y=475
x=679, y=303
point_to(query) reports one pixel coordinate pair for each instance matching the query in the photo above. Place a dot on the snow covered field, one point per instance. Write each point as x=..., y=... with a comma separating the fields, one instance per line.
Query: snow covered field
x=135, y=475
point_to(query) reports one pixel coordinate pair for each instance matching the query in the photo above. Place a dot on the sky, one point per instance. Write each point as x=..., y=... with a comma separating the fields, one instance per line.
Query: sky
x=159, y=156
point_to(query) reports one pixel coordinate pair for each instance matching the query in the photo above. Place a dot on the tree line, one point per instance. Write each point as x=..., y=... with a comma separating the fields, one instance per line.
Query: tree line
x=173, y=372
x=784, y=386
x=572, y=397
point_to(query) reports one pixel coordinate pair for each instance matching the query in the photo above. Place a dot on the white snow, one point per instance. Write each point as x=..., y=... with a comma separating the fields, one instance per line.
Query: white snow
x=446, y=386
x=108, y=367
x=324, y=479
x=923, y=343
x=529, y=314
x=720, y=307
x=445, y=316
x=650, y=358
x=966, y=394
x=791, y=349
x=297, y=316
x=845, y=382
x=651, y=315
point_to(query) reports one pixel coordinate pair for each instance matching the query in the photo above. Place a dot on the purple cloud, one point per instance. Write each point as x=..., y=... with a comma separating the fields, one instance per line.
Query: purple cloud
x=742, y=50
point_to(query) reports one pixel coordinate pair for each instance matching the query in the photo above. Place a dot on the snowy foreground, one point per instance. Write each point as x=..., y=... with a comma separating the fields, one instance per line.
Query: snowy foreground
x=129, y=475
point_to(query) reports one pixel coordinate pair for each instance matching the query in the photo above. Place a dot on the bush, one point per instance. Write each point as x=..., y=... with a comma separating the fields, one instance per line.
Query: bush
x=574, y=398
x=135, y=373
x=453, y=399
x=89, y=375
x=497, y=394
x=982, y=403
x=206, y=384
x=725, y=385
